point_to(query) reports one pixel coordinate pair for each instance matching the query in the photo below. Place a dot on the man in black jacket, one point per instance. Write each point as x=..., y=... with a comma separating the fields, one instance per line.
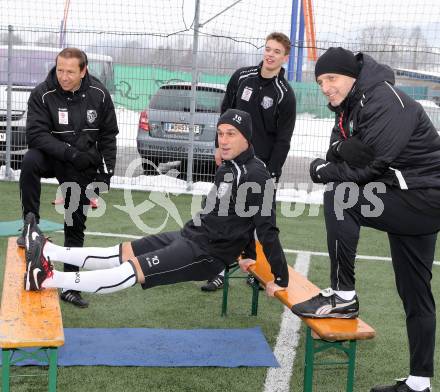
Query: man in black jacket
x=240, y=202
x=266, y=95
x=71, y=132
x=384, y=162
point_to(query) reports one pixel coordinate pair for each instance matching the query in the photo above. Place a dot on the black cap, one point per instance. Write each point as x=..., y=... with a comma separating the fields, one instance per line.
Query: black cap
x=337, y=61
x=240, y=120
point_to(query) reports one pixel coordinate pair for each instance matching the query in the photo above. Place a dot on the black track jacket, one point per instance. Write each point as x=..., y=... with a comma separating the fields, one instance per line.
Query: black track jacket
x=272, y=106
x=406, y=144
x=84, y=119
x=240, y=201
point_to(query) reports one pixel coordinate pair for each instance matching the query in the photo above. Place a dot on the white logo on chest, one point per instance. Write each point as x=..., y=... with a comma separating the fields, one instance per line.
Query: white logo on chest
x=267, y=102
x=91, y=116
x=223, y=189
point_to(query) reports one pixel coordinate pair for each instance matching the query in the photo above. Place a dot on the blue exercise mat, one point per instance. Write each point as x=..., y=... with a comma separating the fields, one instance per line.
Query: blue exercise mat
x=13, y=228
x=164, y=348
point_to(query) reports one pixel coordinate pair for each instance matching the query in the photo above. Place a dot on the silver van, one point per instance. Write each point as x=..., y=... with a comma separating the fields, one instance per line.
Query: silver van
x=29, y=67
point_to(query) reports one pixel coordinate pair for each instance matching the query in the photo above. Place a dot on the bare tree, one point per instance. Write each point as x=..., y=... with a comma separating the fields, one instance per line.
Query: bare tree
x=16, y=39
x=417, y=41
x=223, y=55
x=395, y=46
x=50, y=40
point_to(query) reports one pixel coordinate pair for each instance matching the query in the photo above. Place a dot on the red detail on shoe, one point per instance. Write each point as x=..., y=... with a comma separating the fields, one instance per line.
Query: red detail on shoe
x=47, y=266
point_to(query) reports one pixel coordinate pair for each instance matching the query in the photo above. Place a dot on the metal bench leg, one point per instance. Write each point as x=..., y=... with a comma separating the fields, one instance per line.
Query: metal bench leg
x=309, y=362
x=225, y=292
x=6, y=356
x=351, y=353
x=255, y=293
x=53, y=363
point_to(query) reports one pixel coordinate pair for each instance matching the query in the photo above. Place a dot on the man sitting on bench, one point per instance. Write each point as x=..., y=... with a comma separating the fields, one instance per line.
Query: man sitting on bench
x=240, y=202
x=397, y=192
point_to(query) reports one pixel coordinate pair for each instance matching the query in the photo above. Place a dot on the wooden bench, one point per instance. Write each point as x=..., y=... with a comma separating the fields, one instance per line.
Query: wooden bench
x=30, y=320
x=321, y=334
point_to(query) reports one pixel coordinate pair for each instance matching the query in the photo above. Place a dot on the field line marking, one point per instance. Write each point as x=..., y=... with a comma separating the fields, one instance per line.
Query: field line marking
x=135, y=237
x=278, y=379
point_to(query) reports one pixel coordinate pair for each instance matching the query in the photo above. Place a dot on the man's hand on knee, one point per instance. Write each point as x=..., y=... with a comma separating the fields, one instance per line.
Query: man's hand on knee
x=272, y=288
x=245, y=264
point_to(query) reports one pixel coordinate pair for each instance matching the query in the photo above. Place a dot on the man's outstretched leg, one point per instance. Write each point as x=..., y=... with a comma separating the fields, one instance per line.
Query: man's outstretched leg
x=161, y=259
x=40, y=273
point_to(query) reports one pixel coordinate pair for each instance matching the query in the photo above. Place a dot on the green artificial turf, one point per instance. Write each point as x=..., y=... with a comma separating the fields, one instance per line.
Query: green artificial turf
x=185, y=306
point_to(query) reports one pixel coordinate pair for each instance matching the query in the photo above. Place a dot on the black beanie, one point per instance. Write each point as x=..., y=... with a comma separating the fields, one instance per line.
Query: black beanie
x=240, y=120
x=337, y=61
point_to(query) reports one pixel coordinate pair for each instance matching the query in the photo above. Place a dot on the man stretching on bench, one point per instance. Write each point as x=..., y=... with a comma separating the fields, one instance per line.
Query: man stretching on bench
x=240, y=202
x=396, y=191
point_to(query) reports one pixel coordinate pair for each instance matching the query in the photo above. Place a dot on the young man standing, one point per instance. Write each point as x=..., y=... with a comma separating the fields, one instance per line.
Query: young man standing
x=71, y=131
x=264, y=93
x=384, y=157
x=240, y=202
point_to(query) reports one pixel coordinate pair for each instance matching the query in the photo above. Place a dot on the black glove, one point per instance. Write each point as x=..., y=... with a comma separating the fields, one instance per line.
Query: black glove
x=104, y=177
x=273, y=173
x=315, y=166
x=353, y=151
x=80, y=160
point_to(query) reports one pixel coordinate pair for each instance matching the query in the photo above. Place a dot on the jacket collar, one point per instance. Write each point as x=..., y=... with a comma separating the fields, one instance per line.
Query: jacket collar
x=280, y=74
x=349, y=102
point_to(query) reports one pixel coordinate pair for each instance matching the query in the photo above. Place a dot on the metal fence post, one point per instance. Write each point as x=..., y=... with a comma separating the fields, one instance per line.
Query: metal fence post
x=9, y=175
x=189, y=170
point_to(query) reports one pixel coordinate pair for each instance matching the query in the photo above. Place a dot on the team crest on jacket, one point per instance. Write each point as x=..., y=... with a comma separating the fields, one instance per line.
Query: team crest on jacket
x=267, y=102
x=223, y=189
x=91, y=116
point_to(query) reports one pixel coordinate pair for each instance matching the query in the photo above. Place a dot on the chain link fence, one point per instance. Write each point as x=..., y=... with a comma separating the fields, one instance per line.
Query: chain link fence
x=167, y=63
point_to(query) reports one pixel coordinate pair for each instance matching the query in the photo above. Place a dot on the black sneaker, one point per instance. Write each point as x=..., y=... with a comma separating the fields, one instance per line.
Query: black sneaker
x=29, y=221
x=250, y=280
x=214, y=284
x=38, y=268
x=327, y=304
x=20, y=239
x=74, y=297
x=31, y=230
x=400, y=386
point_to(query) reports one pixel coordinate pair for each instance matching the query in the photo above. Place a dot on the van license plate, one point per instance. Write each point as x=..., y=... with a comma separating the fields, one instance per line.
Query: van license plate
x=182, y=128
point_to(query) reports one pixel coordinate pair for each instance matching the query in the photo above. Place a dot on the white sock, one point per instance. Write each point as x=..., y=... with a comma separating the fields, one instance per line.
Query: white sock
x=222, y=273
x=100, y=282
x=345, y=295
x=87, y=258
x=418, y=383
